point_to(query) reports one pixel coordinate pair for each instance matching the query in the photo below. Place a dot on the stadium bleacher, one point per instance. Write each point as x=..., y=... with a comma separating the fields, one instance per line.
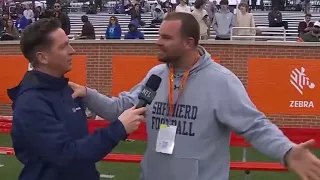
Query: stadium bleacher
x=100, y=22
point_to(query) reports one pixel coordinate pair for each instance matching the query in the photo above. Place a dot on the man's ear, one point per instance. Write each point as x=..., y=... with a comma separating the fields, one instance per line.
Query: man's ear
x=42, y=57
x=189, y=43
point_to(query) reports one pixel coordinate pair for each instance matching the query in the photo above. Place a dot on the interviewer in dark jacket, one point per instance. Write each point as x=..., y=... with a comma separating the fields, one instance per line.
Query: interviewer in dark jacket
x=49, y=129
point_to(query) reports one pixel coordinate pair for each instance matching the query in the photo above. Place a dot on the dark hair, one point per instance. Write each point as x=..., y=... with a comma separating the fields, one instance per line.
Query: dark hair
x=35, y=37
x=198, y=4
x=48, y=13
x=189, y=25
x=115, y=18
x=308, y=15
x=84, y=18
x=224, y=2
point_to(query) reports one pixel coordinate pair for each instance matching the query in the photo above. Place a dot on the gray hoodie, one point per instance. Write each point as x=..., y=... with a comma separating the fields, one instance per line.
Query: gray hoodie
x=214, y=103
x=223, y=22
x=158, y=15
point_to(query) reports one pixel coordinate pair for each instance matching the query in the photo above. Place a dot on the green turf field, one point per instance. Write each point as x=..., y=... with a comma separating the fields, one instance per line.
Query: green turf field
x=127, y=171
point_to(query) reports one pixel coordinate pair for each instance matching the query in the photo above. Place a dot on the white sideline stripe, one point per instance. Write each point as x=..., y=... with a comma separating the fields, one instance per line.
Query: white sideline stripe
x=107, y=176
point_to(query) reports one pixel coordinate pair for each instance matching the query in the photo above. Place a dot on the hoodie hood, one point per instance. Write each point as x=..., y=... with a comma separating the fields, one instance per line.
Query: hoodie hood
x=158, y=6
x=34, y=80
x=158, y=12
x=204, y=61
x=134, y=23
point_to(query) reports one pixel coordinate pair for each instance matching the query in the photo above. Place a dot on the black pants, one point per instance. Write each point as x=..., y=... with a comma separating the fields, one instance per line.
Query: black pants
x=279, y=24
x=156, y=21
x=253, y=4
x=219, y=38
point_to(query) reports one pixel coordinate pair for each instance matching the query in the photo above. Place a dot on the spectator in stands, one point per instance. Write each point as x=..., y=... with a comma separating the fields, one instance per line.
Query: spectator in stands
x=223, y=21
x=168, y=10
x=128, y=6
x=92, y=9
x=275, y=19
x=37, y=13
x=49, y=128
x=201, y=15
x=145, y=6
x=48, y=13
x=98, y=3
x=313, y=35
x=153, y=7
x=305, y=26
x=3, y=22
x=114, y=29
x=5, y=17
x=136, y=14
x=119, y=8
x=306, y=5
x=158, y=15
x=167, y=4
x=244, y=19
x=87, y=29
x=63, y=17
x=211, y=9
x=133, y=32
x=22, y=22
x=254, y=4
x=183, y=7
x=174, y=3
x=10, y=32
x=282, y=5
x=19, y=9
x=28, y=13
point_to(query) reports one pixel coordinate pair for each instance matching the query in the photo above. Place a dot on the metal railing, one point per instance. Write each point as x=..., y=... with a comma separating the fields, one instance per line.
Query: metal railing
x=265, y=33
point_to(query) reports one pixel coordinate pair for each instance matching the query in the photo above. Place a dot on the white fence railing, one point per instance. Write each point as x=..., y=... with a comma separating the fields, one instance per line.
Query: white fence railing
x=272, y=33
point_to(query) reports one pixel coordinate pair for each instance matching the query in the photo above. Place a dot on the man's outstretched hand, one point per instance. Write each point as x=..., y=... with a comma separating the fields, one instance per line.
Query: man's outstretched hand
x=78, y=90
x=301, y=161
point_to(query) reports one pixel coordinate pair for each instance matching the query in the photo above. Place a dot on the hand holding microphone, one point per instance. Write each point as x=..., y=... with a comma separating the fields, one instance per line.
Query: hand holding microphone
x=131, y=118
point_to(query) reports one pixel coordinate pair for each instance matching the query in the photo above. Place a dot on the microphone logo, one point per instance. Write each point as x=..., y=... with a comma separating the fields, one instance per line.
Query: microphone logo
x=146, y=93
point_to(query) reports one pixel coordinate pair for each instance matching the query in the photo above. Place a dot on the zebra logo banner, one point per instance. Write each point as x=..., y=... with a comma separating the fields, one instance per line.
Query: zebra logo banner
x=285, y=86
x=300, y=80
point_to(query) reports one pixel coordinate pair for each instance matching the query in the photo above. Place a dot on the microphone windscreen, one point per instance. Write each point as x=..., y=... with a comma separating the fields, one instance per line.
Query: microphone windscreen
x=153, y=82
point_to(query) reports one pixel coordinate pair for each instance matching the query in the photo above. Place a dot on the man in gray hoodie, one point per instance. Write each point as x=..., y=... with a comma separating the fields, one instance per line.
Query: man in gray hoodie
x=189, y=127
x=223, y=21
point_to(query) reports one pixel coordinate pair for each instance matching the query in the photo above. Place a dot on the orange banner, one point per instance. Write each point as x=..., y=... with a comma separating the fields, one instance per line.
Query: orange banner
x=13, y=67
x=283, y=86
x=128, y=71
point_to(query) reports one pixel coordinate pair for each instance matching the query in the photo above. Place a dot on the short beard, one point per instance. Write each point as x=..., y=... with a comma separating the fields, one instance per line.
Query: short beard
x=169, y=59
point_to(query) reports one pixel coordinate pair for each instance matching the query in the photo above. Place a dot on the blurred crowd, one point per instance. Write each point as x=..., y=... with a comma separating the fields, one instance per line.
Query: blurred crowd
x=223, y=19
x=15, y=21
